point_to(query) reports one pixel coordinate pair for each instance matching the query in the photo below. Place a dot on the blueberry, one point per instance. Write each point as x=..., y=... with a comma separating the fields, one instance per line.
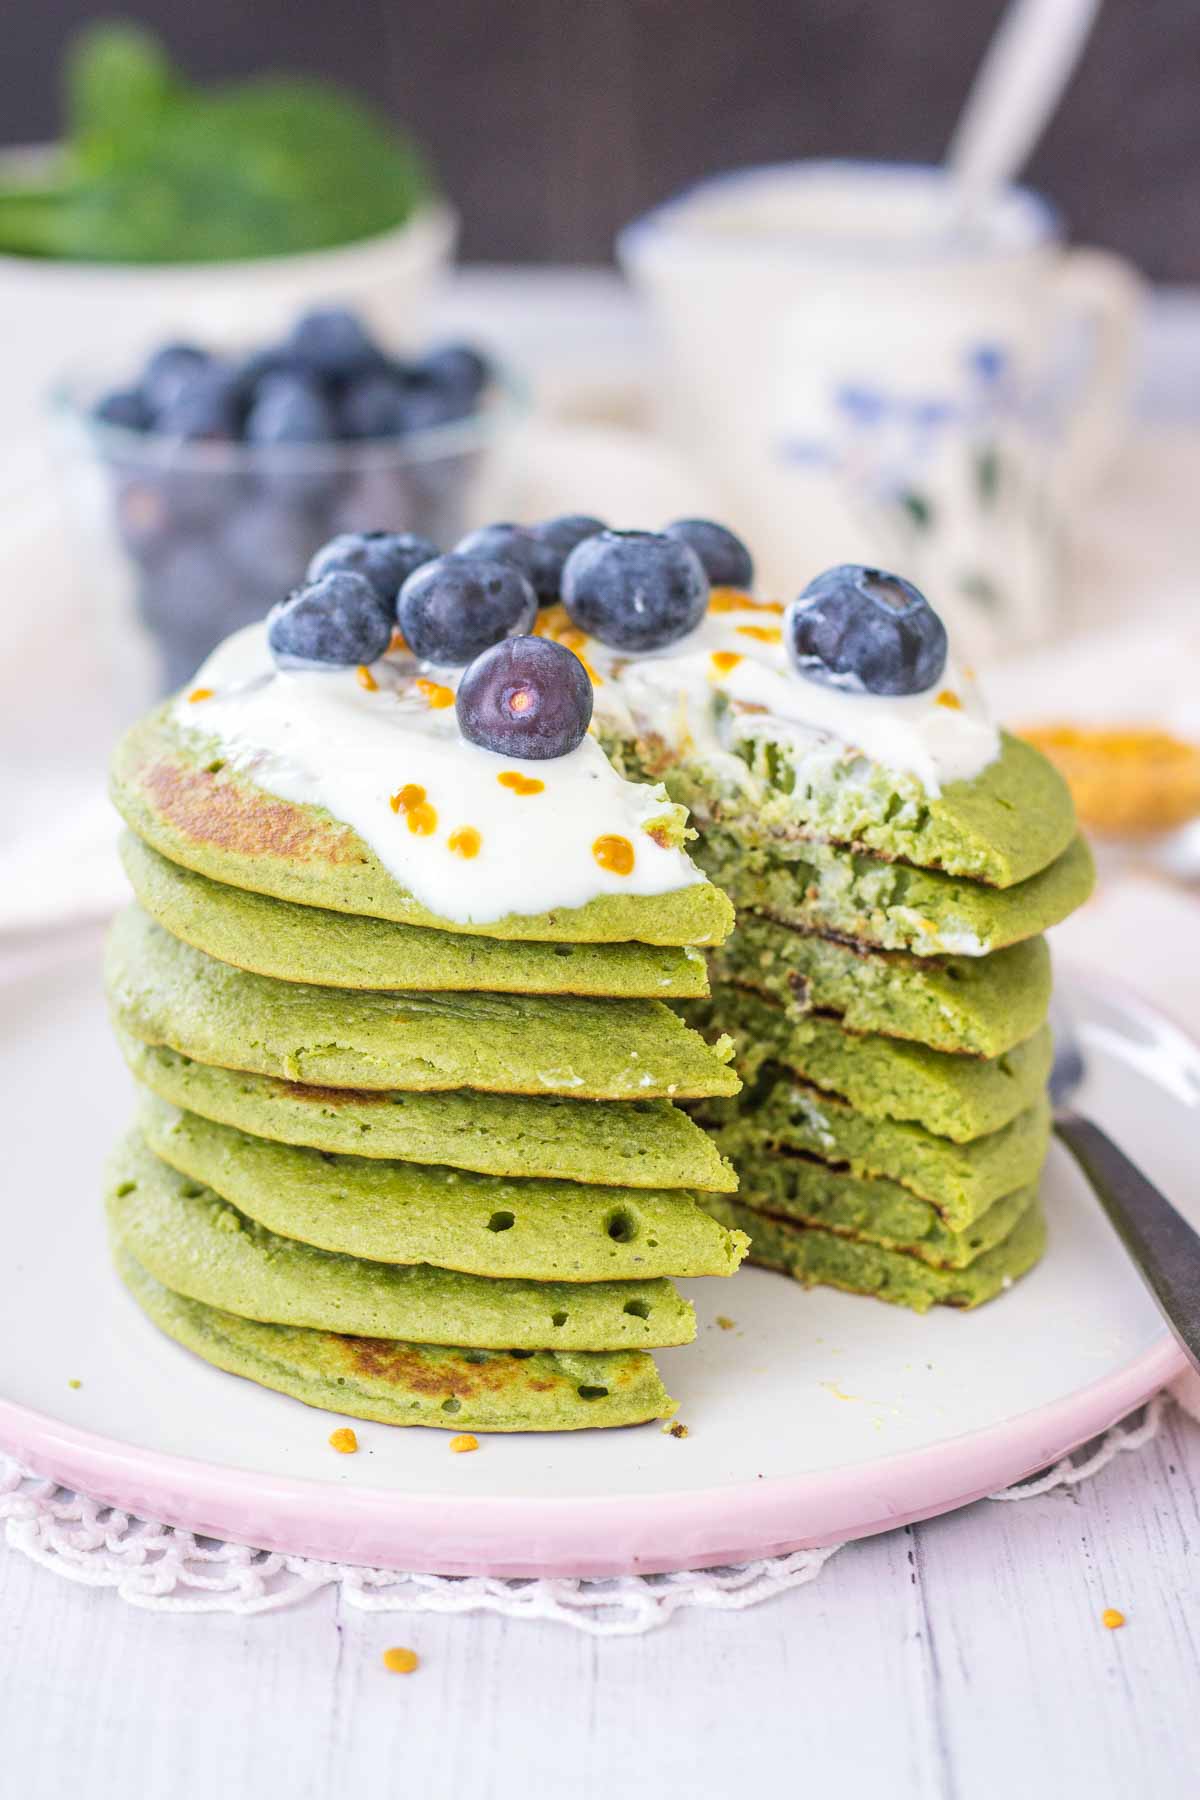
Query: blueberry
x=385, y=558
x=453, y=609
x=124, y=407
x=202, y=407
x=169, y=369
x=332, y=343
x=425, y=408
x=867, y=631
x=373, y=406
x=526, y=697
x=289, y=409
x=453, y=366
x=514, y=544
x=338, y=620
x=635, y=590
x=558, y=537
x=727, y=562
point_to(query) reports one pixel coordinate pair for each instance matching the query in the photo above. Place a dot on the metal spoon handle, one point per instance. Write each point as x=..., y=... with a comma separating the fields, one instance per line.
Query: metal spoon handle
x=1164, y=1248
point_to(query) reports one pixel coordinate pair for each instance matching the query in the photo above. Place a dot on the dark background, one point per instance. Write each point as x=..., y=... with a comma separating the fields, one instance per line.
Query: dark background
x=554, y=121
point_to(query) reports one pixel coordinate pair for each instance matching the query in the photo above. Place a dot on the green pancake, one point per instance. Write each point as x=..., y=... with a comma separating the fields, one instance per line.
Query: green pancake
x=199, y=1246
x=959, y=1097
x=164, y=992
x=410, y=1384
x=821, y=1258
x=179, y=795
x=873, y=1212
x=396, y=1212
x=1002, y=826
x=960, y=1180
x=891, y=905
x=627, y=1143
x=330, y=949
x=980, y=1004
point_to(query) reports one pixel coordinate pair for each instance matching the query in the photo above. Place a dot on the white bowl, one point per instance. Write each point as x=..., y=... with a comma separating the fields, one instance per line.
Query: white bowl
x=54, y=310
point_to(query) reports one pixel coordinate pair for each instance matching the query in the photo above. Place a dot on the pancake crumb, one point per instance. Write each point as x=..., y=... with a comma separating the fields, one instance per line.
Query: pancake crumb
x=463, y=1442
x=344, y=1440
x=1112, y=1619
x=401, y=1661
x=74, y=1382
x=676, y=1430
x=724, y=1323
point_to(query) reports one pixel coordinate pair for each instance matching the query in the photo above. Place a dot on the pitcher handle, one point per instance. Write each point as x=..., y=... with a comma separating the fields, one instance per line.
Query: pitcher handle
x=1105, y=292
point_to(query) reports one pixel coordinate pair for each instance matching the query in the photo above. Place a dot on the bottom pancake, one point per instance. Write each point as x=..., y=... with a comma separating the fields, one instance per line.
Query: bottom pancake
x=817, y=1257
x=410, y=1384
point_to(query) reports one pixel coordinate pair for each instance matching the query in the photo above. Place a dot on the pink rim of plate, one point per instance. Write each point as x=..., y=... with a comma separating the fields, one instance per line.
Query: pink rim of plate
x=453, y=1534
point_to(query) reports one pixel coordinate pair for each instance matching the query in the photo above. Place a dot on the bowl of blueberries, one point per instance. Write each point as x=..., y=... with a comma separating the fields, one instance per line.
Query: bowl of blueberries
x=206, y=484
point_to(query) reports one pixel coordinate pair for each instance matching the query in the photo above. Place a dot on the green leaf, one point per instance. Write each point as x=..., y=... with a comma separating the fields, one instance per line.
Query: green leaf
x=119, y=83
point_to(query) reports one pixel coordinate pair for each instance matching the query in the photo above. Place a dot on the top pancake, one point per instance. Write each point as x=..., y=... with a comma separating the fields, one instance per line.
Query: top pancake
x=183, y=799
x=1007, y=823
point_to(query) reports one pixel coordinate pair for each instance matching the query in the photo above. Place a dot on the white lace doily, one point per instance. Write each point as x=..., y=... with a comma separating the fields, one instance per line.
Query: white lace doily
x=167, y=1570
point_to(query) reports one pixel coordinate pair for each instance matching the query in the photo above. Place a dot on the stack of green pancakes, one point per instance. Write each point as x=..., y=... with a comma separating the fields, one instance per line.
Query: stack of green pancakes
x=412, y=1171
x=887, y=989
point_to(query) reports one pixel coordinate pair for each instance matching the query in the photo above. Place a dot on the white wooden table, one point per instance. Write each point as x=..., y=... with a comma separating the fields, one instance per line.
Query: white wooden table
x=963, y=1658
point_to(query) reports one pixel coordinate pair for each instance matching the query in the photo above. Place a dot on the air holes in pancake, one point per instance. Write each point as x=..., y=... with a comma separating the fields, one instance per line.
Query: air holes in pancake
x=501, y=1221
x=451, y=1405
x=126, y=1187
x=564, y=949
x=214, y=768
x=638, y=1309
x=592, y=1393
x=521, y=1355
x=190, y=1191
x=475, y=1356
x=558, y=1318
x=622, y=1225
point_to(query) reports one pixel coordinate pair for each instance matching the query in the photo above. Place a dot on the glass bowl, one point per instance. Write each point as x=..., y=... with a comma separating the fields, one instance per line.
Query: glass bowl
x=185, y=542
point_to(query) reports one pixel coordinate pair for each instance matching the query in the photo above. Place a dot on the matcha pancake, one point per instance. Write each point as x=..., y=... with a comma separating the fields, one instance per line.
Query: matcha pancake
x=816, y=1257
x=398, y=1212
x=959, y=1097
x=199, y=1246
x=632, y=1143
x=891, y=905
x=332, y=949
x=1009, y=821
x=873, y=1211
x=960, y=1180
x=180, y=795
x=164, y=992
x=410, y=1384
x=980, y=1004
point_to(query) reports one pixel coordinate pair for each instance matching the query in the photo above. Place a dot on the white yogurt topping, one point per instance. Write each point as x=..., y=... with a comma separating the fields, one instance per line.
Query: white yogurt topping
x=937, y=737
x=322, y=738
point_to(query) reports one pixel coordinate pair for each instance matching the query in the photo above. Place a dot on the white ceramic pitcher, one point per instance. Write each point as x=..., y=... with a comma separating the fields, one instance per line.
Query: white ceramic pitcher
x=866, y=379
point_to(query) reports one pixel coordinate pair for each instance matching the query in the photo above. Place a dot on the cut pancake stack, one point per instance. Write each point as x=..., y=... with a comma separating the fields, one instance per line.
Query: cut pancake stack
x=887, y=990
x=414, y=1174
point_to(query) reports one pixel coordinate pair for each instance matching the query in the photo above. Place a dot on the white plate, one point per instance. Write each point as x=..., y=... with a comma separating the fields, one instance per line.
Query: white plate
x=819, y=1417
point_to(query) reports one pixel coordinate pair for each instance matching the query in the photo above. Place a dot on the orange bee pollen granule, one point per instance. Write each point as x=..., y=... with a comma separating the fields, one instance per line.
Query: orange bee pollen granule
x=614, y=854
x=766, y=634
x=466, y=841
x=725, y=660
x=520, y=784
x=344, y=1440
x=950, y=699
x=366, y=679
x=200, y=694
x=438, y=696
x=410, y=800
x=466, y=1440
x=400, y=1661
